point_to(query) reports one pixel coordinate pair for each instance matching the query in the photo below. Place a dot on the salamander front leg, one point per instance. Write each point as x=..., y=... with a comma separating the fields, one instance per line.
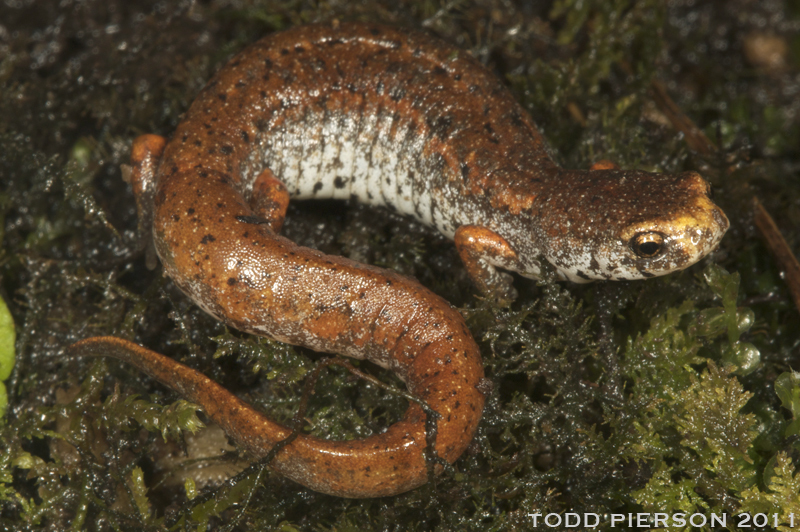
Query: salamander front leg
x=146, y=154
x=482, y=250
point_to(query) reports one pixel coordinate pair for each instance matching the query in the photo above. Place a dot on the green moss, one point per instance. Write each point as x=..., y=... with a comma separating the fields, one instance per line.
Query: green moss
x=779, y=497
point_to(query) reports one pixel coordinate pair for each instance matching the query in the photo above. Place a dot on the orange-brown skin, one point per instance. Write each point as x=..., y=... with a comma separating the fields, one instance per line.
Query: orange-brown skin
x=392, y=118
x=211, y=240
x=325, y=302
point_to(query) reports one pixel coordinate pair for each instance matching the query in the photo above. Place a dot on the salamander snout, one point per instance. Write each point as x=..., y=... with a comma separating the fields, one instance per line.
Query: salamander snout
x=677, y=237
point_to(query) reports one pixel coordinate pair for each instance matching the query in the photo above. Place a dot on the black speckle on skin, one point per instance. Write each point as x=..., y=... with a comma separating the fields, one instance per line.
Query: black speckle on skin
x=208, y=238
x=284, y=51
x=583, y=275
x=490, y=130
x=439, y=71
x=464, y=170
x=317, y=187
x=440, y=126
x=339, y=182
x=397, y=93
x=245, y=136
x=190, y=211
x=231, y=281
x=254, y=220
x=222, y=96
x=226, y=150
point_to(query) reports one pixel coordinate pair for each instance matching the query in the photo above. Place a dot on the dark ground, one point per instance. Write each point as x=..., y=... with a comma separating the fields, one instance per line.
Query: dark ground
x=669, y=395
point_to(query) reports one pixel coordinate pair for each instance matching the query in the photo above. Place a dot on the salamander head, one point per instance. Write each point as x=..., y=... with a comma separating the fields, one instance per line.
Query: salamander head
x=621, y=224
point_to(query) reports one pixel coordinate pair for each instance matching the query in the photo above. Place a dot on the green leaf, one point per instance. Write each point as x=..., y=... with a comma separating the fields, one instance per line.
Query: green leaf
x=3, y=400
x=7, y=339
x=744, y=355
x=787, y=387
x=7, y=355
x=191, y=488
x=726, y=286
x=139, y=490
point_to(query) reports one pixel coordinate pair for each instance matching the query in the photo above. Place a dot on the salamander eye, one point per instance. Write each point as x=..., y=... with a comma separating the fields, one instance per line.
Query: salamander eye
x=647, y=245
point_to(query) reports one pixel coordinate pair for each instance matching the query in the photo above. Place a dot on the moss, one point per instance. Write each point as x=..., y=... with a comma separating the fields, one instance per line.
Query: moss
x=674, y=394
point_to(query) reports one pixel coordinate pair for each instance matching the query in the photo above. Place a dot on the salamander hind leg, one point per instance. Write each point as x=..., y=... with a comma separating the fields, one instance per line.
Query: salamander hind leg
x=270, y=200
x=604, y=164
x=482, y=250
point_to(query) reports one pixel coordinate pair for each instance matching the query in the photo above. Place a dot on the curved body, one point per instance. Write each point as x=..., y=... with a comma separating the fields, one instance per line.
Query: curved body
x=403, y=120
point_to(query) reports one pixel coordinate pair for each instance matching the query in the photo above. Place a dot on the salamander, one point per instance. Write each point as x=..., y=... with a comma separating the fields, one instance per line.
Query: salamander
x=398, y=119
